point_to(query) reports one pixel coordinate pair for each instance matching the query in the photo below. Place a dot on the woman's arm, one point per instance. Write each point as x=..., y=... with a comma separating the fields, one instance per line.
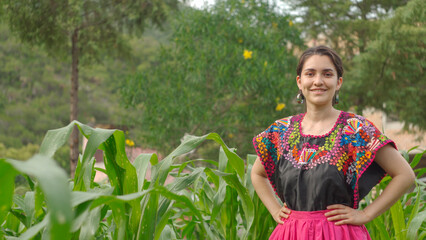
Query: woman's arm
x=266, y=193
x=402, y=178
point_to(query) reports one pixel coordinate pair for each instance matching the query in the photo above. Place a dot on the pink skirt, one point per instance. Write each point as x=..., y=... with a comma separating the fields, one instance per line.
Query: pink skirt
x=313, y=225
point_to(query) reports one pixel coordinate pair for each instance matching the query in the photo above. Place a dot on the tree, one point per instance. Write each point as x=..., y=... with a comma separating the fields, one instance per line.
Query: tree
x=390, y=74
x=230, y=69
x=372, y=49
x=82, y=29
x=347, y=25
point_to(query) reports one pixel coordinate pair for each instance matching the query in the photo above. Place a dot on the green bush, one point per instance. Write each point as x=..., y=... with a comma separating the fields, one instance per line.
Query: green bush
x=216, y=202
x=21, y=153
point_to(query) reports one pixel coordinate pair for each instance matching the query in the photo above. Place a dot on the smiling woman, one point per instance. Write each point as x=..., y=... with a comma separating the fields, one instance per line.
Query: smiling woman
x=322, y=170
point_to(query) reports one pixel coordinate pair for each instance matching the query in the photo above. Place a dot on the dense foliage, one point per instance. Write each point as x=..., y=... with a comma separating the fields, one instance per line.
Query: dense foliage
x=382, y=44
x=80, y=31
x=136, y=201
x=390, y=74
x=33, y=86
x=230, y=69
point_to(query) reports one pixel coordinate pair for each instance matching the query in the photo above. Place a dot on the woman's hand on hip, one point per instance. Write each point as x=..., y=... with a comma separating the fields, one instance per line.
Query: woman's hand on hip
x=283, y=212
x=341, y=214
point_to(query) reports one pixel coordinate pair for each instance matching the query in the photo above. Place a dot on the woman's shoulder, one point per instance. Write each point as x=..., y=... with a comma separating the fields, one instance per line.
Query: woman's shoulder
x=287, y=121
x=355, y=120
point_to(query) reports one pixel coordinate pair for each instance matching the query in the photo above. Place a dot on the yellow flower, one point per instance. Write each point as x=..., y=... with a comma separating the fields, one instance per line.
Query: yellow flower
x=231, y=135
x=130, y=143
x=280, y=106
x=290, y=23
x=247, y=54
x=242, y=1
x=274, y=25
x=240, y=40
x=265, y=63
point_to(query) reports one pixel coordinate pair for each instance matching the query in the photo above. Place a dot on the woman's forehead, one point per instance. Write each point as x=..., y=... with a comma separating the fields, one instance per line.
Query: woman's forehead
x=317, y=62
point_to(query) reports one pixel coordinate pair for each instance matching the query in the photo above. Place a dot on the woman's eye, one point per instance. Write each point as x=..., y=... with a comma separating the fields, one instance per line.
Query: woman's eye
x=328, y=74
x=309, y=74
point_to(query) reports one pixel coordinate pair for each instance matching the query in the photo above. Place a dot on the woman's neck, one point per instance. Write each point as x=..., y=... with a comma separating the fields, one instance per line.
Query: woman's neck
x=319, y=114
x=319, y=121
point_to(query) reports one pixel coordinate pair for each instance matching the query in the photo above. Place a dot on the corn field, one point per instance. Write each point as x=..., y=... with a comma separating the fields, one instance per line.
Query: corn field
x=216, y=202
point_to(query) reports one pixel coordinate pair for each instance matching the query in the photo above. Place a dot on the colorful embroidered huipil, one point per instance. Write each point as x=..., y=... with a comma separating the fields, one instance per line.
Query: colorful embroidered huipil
x=310, y=172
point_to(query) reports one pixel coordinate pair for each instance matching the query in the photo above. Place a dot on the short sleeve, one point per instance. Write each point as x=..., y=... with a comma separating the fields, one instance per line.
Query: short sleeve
x=266, y=145
x=363, y=173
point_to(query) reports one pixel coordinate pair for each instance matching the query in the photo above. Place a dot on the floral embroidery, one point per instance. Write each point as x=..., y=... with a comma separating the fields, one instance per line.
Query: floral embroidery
x=294, y=136
x=350, y=146
x=354, y=125
x=329, y=141
x=306, y=156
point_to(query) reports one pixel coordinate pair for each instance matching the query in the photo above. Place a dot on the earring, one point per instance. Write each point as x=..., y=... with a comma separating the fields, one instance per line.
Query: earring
x=336, y=98
x=300, y=97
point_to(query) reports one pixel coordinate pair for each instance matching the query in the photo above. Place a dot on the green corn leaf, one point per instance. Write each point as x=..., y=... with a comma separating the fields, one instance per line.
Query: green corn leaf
x=184, y=182
x=416, y=224
x=213, y=177
x=422, y=235
x=188, y=230
x=149, y=217
x=101, y=170
x=398, y=220
x=250, y=161
x=7, y=186
x=161, y=226
x=235, y=161
x=53, y=182
x=18, y=213
x=30, y=182
x=29, y=207
x=380, y=226
x=141, y=164
x=223, y=161
x=420, y=172
x=415, y=209
x=35, y=229
x=416, y=159
x=38, y=201
x=167, y=234
x=95, y=138
x=91, y=224
x=55, y=139
x=81, y=212
x=246, y=201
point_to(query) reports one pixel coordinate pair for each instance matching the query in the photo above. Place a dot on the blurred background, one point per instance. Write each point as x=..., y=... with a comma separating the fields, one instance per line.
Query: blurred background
x=160, y=70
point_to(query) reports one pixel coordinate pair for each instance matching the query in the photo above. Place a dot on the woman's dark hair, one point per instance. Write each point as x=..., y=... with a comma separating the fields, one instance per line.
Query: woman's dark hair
x=321, y=51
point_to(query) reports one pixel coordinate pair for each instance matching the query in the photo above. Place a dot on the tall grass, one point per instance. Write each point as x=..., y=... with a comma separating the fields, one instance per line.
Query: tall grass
x=216, y=202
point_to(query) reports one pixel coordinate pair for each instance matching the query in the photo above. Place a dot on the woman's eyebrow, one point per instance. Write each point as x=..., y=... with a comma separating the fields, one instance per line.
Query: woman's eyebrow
x=324, y=70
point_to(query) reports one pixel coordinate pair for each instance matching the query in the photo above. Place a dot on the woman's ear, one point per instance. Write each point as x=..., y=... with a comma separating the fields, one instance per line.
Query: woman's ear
x=339, y=83
x=298, y=81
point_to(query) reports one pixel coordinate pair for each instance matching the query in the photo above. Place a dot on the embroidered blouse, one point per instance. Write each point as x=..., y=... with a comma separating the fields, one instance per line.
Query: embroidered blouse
x=310, y=172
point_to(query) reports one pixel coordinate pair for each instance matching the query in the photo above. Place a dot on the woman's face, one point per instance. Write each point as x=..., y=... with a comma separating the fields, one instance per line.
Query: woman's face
x=318, y=80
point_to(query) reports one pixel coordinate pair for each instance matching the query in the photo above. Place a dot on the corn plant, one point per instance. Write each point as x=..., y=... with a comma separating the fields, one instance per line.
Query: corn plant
x=201, y=203
x=406, y=219
x=216, y=202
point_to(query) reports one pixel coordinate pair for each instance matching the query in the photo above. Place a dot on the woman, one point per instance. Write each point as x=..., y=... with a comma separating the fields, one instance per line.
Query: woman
x=323, y=162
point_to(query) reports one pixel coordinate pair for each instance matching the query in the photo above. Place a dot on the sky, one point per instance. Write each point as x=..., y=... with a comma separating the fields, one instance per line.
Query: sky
x=201, y=3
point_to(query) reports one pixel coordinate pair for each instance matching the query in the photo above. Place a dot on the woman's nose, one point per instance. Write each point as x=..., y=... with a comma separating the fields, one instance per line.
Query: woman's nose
x=318, y=80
